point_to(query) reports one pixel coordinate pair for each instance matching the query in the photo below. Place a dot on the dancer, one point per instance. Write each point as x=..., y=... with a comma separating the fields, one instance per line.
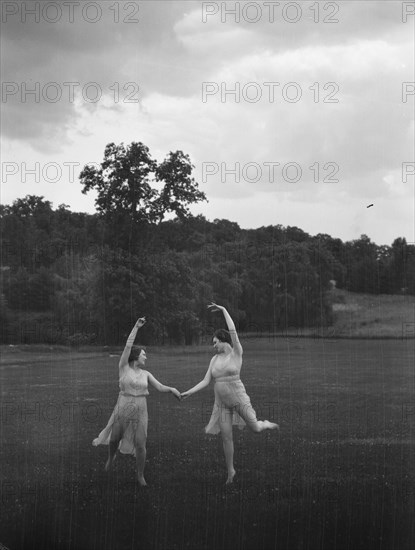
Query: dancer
x=127, y=427
x=232, y=404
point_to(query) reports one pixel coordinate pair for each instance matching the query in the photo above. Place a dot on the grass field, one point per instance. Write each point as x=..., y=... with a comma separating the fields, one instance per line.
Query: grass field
x=339, y=475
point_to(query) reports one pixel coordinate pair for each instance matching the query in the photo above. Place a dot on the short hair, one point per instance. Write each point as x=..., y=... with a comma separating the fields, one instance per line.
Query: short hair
x=223, y=336
x=135, y=353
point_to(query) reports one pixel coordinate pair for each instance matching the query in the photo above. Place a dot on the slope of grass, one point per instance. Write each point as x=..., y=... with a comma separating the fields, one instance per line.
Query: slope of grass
x=372, y=315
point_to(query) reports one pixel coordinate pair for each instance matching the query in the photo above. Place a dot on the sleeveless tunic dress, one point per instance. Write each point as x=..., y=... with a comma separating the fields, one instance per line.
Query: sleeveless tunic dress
x=130, y=410
x=230, y=399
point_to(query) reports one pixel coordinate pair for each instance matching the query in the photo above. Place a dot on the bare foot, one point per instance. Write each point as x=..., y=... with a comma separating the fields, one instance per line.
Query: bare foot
x=267, y=425
x=141, y=481
x=231, y=475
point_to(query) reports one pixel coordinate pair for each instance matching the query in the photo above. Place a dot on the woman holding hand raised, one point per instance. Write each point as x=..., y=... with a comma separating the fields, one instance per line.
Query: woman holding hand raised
x=232, y=404
x=127, y=427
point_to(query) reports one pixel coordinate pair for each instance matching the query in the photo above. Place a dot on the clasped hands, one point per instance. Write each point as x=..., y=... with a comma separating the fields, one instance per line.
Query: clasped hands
x=178, y=395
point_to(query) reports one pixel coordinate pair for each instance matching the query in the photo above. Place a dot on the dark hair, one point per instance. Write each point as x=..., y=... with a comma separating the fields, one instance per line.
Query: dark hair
x=223, y=336
x=135, y=353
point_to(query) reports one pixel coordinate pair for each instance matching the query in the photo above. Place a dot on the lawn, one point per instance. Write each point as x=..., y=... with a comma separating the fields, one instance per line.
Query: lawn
x=339, y=475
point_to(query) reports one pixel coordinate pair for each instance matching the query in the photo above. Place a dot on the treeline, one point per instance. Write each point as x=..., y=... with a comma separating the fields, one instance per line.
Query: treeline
x=75, y=278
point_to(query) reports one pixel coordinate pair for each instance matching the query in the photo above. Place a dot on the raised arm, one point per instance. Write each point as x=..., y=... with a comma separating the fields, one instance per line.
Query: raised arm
x=130, y=341
x=202, y=384
x=161, y=387
x=237, y=348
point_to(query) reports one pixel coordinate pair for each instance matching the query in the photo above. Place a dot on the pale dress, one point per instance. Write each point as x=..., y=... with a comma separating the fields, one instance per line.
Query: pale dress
x=130, y=411
x=230, y=399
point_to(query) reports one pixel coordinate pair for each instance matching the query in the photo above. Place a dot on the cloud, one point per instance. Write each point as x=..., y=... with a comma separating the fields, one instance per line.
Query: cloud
x=35, y=55
x=362, y=61
x=286, y=26
x=365, y=133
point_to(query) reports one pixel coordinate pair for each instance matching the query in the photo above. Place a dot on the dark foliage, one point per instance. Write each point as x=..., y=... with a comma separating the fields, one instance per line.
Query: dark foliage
x=66, y=279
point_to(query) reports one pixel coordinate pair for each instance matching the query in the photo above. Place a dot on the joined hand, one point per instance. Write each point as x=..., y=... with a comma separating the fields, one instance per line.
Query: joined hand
x=176, y=394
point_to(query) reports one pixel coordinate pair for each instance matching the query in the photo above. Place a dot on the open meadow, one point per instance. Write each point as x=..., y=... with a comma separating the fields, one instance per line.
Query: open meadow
x=338, y=476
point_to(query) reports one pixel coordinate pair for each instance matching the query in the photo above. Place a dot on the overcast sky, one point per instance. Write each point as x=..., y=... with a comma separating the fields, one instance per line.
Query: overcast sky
x=320, y=124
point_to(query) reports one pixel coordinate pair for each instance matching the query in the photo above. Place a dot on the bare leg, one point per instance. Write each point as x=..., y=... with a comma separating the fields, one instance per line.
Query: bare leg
x=248, y=414
x=225, y=424
x=116, y=435
x=140, y=453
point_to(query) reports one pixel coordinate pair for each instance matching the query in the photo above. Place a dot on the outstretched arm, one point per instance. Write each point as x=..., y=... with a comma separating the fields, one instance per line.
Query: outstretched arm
x=237, y=348
x=161, y=387
x=205, y=382
x=130, y=341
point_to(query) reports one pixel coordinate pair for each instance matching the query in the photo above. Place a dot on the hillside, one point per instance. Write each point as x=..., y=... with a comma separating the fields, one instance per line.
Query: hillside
x=372, y=315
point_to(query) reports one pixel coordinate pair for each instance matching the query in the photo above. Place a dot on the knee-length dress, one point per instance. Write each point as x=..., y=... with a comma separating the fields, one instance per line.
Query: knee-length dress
x=130, y=412
x=230, y=399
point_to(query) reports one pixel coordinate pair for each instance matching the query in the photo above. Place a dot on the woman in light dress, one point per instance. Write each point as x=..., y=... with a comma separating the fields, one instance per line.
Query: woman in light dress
x=232, y=404
x=126, y=430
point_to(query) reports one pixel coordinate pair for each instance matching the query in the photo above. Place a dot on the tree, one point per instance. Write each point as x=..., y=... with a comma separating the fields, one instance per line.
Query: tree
x=362, y=265
x=124, y=179
x=179, y=190
x=399, y=264
x=4, y=319
x=30, y=205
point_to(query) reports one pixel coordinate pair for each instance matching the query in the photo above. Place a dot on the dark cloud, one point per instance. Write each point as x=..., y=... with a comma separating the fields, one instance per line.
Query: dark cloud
x=170, y=52
x=107, y=53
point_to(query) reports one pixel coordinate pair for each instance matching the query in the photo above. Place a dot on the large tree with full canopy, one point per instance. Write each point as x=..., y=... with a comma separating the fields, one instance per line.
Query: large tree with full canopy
x=124, y=184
